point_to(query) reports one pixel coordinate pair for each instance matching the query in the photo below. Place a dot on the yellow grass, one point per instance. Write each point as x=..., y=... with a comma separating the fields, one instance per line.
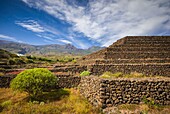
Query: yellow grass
x=145, y=109
x=65, y=101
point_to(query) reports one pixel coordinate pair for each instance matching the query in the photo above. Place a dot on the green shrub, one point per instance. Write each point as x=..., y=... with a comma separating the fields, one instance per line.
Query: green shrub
x=34, y=81
x=85, y=73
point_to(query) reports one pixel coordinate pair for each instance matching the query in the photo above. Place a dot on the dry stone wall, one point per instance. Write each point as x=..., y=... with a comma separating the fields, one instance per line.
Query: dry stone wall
x=68, y=82
x=147, y=69
x=71, y=69
x=90, y=88
x=149, y=55
x=107, y=93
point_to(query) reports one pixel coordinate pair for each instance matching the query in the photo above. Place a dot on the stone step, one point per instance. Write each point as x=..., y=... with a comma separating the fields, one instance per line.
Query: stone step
x=146, y=42
x=147, y=38
x=138, y=55
x=138, y=49
x=140, y=45
x=3, y=63
x=147, y=69
x=98, y=54
x=78, y=69
x=86, y=61
x=119, y=61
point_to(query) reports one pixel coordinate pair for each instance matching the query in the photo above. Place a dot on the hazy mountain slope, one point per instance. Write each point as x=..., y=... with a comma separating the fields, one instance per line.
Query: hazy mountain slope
x=45, y=49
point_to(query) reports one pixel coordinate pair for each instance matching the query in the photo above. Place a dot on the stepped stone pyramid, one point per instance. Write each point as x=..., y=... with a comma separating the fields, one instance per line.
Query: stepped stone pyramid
x=149, y=55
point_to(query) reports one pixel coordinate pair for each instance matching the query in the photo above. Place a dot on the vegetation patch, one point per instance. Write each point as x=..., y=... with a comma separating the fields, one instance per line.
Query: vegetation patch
x=34, y=81
x=110, y=75
x=143, y=109
x=85, y=73
x=62, y=101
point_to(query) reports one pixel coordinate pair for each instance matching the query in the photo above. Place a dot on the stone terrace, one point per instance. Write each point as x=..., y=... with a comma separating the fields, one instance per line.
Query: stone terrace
x=149, y=55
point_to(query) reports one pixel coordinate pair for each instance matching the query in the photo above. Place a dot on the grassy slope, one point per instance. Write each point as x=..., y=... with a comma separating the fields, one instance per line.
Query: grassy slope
x=66, y=101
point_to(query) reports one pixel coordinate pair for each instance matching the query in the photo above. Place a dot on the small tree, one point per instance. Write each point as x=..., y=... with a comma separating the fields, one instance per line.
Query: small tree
x=34, y=81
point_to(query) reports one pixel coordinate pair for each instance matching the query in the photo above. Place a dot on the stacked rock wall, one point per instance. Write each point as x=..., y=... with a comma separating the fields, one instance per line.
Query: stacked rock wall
x=68, y=82
x=147, y=69
x=72, y=69
x=90, y=88
x=149, y=55
x=107, y=93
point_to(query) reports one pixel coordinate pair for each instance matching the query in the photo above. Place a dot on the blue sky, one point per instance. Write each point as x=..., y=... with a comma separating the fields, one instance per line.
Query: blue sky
x=83, y=23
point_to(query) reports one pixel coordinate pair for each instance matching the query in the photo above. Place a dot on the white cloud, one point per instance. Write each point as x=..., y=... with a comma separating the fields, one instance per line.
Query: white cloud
x=47, y=37
x=31, y=25
x=65, y=41
x=10, y=38
x=105, y=21
x=42, y=30
x=7, y=37
x=34, y=26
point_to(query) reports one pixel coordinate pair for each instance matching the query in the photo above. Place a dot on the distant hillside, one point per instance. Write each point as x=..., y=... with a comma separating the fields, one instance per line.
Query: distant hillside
x=10, y=60
x=7, y=58
x=6, y=55
x=52, y=49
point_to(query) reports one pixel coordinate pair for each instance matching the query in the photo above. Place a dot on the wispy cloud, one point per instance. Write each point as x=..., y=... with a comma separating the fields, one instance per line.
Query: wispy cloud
x=31, y=25
x=65, y=41
x=7, y=37
x=40, y=30
x=10, y=38
x=105, y=21
x=36, y=27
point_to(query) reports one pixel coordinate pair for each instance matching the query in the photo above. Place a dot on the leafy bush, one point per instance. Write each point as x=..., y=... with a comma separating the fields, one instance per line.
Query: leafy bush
x=34, y=81
x=85, y=73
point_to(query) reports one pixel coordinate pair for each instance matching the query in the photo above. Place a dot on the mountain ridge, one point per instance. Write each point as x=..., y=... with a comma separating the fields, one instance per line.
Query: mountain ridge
x=51, y=49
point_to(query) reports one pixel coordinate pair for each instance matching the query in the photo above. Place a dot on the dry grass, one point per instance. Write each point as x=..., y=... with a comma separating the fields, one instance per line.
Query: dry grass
x=65, y=101
x=110, y=75
x=144, y=109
